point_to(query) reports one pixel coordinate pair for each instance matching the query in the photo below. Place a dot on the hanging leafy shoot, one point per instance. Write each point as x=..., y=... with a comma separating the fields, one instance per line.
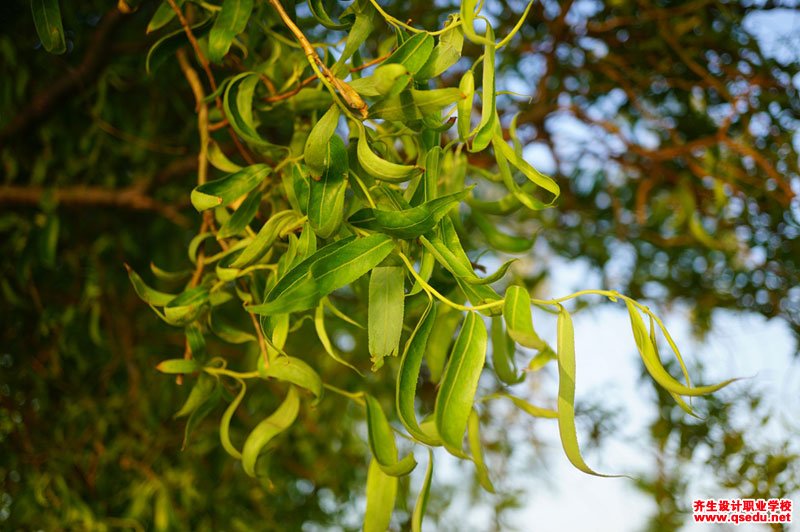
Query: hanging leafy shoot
x=354, y=190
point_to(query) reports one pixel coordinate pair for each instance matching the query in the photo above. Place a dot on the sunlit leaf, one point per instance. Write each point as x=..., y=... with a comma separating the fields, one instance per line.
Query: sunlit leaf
x=267, y=429
x=381, y=495
x=475, y=448
x=230, y=22
x=519, y=320
x=221, y=192
x=326, y=195
x=385, y=323
x=178, y=365
x=382, y=444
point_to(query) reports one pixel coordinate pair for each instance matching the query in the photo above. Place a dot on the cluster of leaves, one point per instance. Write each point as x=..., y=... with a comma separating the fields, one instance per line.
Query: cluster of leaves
x=336, y=212
x=101, y=123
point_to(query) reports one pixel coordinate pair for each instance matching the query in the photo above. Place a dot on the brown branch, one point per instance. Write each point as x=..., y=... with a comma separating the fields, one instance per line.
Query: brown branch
x=98, y=53
x=131, y=198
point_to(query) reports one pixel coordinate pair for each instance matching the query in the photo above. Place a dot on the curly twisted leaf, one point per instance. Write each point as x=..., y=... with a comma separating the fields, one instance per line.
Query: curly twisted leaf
x=474, y=440
x=380, y=168
x=266, y=236
x=503, y=354
x=445, y=54
x=240, y=219
x=422, y=499
x=460, y=382
x=225, y=422
x=263, y=433
x=163, y=15
x=382, y=444
x=165, y=47
x=295, y=371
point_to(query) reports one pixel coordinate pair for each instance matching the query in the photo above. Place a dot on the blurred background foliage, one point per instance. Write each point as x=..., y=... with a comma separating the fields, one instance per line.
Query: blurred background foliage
x=670, y=129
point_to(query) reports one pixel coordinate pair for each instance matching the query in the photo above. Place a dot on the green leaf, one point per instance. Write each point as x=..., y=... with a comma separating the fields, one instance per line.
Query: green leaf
x=295, y=371
x=474, y=440
x=363, y=24
x=428, y=186
x=228, y=333
x=545, y=356
x=385, y=320
x=441, y=336
x=350, y=262
x=460, y=382
x=468, y=26
x=201, y=391
x=408, y=375
x=145, y=293
x=653, y=364
x=519, y=320
x=493, y=278
x=317, y=9
x=270, y=427
x=221, y=192
x=525, y=406
x=381, y=495
x=322, y=334
x=166, y=46
x=444, y=55
x=380, y=168
x=503, y=354
x=408, y=223
x=238, y=105
x=163, y=15
x=317, y=153
x=464, y=105
x=414, y=53
x=382, y=444
x=533, y=175
x=499, y=240
x=47, y=19
x=297, y=290
x=381, y=82
x=230, y=22
x=266, y=236
x=219, y=160
x=225, y=422
x=178, y=365
x=242, y=217
x=187, y=307
x=414, y=104
x=326, y=195
x=489, y=120
x=566, y=393
x=422, y=499
x=199, y=413
x=300, y=187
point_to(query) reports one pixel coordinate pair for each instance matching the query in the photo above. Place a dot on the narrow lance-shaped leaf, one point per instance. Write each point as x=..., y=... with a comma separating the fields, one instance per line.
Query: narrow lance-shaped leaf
x=200, y=392
x=408, y=375
x=163, y=15
x=201, y=411
x=519, y=320
x=503, y=354
x=221, y=192
x=230, y=22
x=238, y=105
x=533, y=175
x=382, y=444
x=381, y=495
x=654, y=366
x=489, y=120
x=445, y=54
x=322, y=334
x=422, y=499
x=188, y=306
x=525, y=406
x=317, y=9
x=317, y=149
x=460, y=382
x=267, y=429
x=566, y=392
x=499, y=240
x=464, y=105
x=474, y=439
x=440, y=338
x=408, y=223
x=350, y=262
x=385, y=318
x=165, y=47
x=47, y=19
x=414, y=104
x=326, y=195
x=494, y=277
x=468, y=25
x=297, y=290
x=178, y=365
x=225, y=422
x=414, y=53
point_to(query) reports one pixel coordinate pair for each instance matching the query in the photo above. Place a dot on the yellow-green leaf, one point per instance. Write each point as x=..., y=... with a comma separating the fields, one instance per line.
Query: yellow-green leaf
x=474, y=439
x=178, y=365
x=381, y=495
x=221, y=192
x=382, y=444
x=317, y=148
x=267, y=429
x=519, y=320
x=460, y=382
x=385, y=318
x=326, y=195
